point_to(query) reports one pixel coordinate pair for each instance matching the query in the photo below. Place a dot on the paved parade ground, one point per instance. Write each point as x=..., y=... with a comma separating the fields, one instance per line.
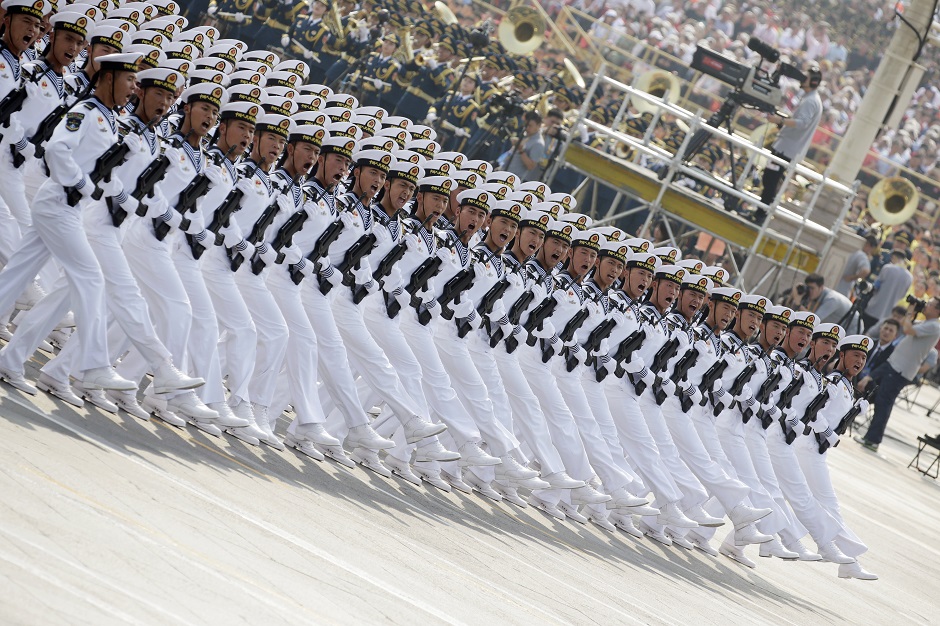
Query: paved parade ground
x=109, y=520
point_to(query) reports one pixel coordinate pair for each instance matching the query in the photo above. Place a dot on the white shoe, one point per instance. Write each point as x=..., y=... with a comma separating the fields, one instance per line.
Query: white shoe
x=509, y=494
x=57, y=388
x=304, y=446
x=127, y=400
x=509, y=469
x=430, y=475
x=531, y=484
x=480, y=486
x=679, y=540
x=418, y=428
x=167, y=378
x=831, y=552
x=227, y=419
x=58, y=338
x=106, y=378
x=571, y=512
x=5, y=333
x=545, y=506
x=623, y=499
x=774, y=547
x=369, y=459
x=742, y=515
x=159, y=409
x=435, y=452
x=456, y=481
x=671, y=515
x=364, y=436
x=746, y=535
x=250, y=434
x=736, y=554
x=472, y=454
x=854, y=570
x=99, y=397
x=28, y=299
x=802, y=551
x=561, y=480
x=701, y=543
x=261, y=428
x=599, y=519
x=654, y=534
x=588, y=495
x=698, y=515
x=625, y=523
x=401, y=469
x=18, y=380
x=188, y=406
x=317, y=434
x=66, y=322
x=336, y=453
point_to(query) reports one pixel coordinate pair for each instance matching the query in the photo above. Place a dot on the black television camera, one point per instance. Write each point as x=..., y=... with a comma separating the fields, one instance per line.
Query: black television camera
x=754, y=87
x=863, y=287
x=917, y=303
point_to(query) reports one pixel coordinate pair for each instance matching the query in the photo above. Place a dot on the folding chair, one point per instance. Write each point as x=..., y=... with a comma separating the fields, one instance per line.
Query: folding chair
x=922, y=444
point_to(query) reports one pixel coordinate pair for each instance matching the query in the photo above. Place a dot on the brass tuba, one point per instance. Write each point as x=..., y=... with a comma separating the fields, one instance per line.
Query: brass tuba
x=893, y=200
x=657, y=83
x=333, y=22
x=521, y=30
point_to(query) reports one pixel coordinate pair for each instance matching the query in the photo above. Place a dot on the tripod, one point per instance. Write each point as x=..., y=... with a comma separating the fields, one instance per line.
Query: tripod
x=854, y=314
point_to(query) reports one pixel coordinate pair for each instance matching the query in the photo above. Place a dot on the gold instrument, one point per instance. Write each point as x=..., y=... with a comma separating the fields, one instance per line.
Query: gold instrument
x=572, y=74
x=405, y=53
x=893, y=201
x=657, y=83
x=333, y=22
x=444, y=13
x=521, y=30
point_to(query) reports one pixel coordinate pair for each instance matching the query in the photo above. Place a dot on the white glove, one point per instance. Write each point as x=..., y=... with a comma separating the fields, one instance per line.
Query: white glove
x=744, y=396
x=111, y=188
x=231, y=235
x=546, y=332
x=634, y=365
x=771, y=411
x=430, y=117
x=285, y=40
x=249, y=250
x=363, y=276
x=173, y=217
x=246, y=186
x=668, y=387
x=720, y=398
x=577, y=353
x=692, y=393
x=240, y=17
x=133, y=142
x=863, y=406
x=14, y=133
x=28, y=151
x=329, y=274
x=172, y=154
x=305, y=267
x=267, y=254
x=321, y=264
x=432, y=64
x=292, y=255
x=403, y=298
x=461, y=132
x=212, y=9
x=830, y=436
x=377, y=84
x=88, y=188
x=285, y=203
x=479, y=271
x=130, y=205
x=602, y=350
x=307, y=54
x=196, y=223
x=214, y=174
x=156, y=206
x=347, y=219
x=463, y=309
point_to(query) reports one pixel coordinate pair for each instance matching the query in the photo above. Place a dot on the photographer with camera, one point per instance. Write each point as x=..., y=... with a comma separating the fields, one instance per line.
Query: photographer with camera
x=892, y=283
x=858, y=265
x=903, y=365
x=796, y=133
x=830, y=305
x=529, y=150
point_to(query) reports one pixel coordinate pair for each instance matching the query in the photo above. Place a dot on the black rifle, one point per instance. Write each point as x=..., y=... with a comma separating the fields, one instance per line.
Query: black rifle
x=428, y=269
x=48, y=125
x=712, y=374
x=623, y=353
x=222, y=215
x=320, y=248
x=786, y=399
x=11, y=103
x=359, y=250
x=680, y=372
x=767, y=388
x=567, y=334
x=849, y=417
x=486, y=305
x=457, y=284
x=186, y=203
x=386, y=265
x=542, y=311
x=515, y=314
x=110, y=159
x=660, y=360
x=593, y=344
x=812, y=409
x=282, y=239
x=256, y=235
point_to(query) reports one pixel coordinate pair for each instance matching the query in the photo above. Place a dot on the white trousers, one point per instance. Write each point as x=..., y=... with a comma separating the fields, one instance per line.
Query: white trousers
x=272, y=332
x=638, y=444
x=58, y=232
x=816, y=470
x=756, y=441
x=126, y=306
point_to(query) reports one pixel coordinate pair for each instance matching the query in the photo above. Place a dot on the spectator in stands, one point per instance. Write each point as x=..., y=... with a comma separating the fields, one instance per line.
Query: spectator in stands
x=530, y=151
x=891, y=285
x=901, y=368
x=888, y=337
x=858, y=265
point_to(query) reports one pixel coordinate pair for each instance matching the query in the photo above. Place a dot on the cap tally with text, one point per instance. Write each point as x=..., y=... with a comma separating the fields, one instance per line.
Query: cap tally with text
x=693, y=265
x=540, y=189
x=587, y=239
x=615, y=250
x=643, y=260
x=668, y=254
x=728, y=295
x=435, y=184
x=477, y=198
x=718, y=274
x=307, y=133
x=381, y=160
x=466, y=179
x=560, y=230
x=535, y=219
x=33, y=8
x=578, y=220
x=482, y=168
x=670, y=272
x=754, y=302
x=508, y=209
x=806, y=319
x=344, y=146
x=697, y=283
x=274, y=123
x=121, y=62
x=856, y=342
x=639, y=245
x=209, y=93
x=240, y=111
x=826, y=330
x=777, y=313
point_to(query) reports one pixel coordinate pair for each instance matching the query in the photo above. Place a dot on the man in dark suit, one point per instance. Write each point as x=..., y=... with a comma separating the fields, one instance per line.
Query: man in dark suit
x=887, y=339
